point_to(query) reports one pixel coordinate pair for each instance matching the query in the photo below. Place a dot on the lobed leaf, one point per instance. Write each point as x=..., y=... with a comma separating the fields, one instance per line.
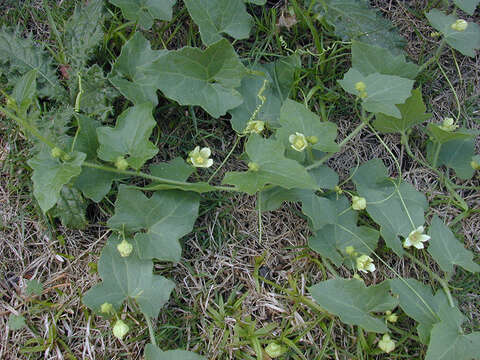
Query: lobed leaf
x=49, y=176
x=274, y=168
x=383, y=91
x=443, y=136
x=353, y=302
x=216, y=17
x=468, y=6
x=145, y=11
x=396, y=206
x=154, y=353
x=412, y=113
x=456, y=155
x=129, y=137
x=159, y=221
x=447, y=250
x=464, y=41
x=71, y=208
x=127, y=278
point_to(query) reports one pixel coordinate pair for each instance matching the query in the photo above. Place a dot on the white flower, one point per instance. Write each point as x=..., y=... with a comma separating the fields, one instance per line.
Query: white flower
x=448, y=125
x=386, y=344
x=200, y=158
x=416, y=238
x=124, y=248
x=358, y=203
x=120, y=329
x=299, y=141
x=106, y=308
x=365, y=264
x=256, y=126
x=391, y=317
x=459, y=25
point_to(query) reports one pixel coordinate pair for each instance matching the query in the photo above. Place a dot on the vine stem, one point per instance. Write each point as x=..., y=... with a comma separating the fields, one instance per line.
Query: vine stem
x=341, y=144
x=150, y=329
x=224, y=160
x=434, y=58
x=441, y=281
x=153, y=178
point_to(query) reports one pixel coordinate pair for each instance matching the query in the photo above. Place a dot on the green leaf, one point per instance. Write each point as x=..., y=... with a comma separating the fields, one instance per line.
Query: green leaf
x=176, y=169
x=412, y=113
x=25, y=90
x=16, y=322
x=275, y=79
x=416, y=300
x=457, y=155
x=468, y=6
x=335, y=228
x=87, y=141
x=95, y=183
x=256, y=2
x=127, y=278
x=464, y=41
x=447, y=250
x=295, y=117
x=447, y=340
x=216, y=17
x=353, y=302
x=34, y=287
x=145, y=11
x=128, y=74
x=163, y=219
x=443, y=136
x=356, y=20
x=370, y=59
x=129, y=137
x=24, y=55
x=71, y=208
x=49, y=176
x=83, y=32
x=274, y=168
x=206, y=78
x=392, y=205
x=154, y=353
x=383, y=91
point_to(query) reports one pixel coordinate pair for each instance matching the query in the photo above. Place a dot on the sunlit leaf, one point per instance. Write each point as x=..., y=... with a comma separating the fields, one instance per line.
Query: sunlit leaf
x=464, y=41
x=383, y=91
x=442, y=136
x=159, y=221
x=129, y=137
x=397, y=208
x=447, y=250
x=354, y=303
x=127, y=278
x=274, y=168
x=216, y=17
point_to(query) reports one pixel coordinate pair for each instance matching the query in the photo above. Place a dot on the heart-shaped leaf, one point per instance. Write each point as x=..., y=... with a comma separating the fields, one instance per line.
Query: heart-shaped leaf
x=145, y=11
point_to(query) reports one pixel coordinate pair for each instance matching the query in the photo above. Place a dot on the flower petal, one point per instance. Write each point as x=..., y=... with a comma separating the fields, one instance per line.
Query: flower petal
x=419, y=245
x=205, y=152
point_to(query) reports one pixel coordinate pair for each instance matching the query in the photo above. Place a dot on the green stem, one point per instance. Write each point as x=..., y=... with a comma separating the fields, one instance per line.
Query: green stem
x=224, y=160
x=434, y=58
x=153, y=178
x=435, y=156
x=32, y=129
x=434, y=276
x=150, y=329
x=341, y=144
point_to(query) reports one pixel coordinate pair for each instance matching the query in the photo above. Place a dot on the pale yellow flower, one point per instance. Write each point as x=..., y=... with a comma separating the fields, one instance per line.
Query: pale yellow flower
x=200, y=158
x=298, y=141
x=391, y=317
x=416, y=238
x=106, y=308
x=459, y=25
x=358, y=203
x=448, y=125
x=386, y=344
x=365, y=264
x=124, y=248
x=256, y=126
x=120, y=329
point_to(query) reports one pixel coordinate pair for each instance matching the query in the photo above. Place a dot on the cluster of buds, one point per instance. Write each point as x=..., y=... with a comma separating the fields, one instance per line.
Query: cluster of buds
x=362, y=89
x=255, y=126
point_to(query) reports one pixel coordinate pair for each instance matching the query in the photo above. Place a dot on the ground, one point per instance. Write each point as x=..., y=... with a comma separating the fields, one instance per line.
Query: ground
x=229, y=276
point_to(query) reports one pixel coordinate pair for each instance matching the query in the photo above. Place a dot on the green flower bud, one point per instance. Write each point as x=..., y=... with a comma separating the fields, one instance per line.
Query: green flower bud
x=66, y=157
x=120, y=329
x=459, y=25
x=121, y=163
x=386, y=344
x=475, y=165
x=359, y=203
x=391, y=317
x=252, y=166
x=275, y=350
x=349, y=250
x=312, y=139
x=106, y=308
x=255, y=126
x=360, y=86
x=124, y=248
x=56, y=152
x=338, y=190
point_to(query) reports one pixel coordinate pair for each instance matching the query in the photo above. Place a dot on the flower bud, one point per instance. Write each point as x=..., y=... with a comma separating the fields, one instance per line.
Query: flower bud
x=360, y=86
x=66, y=157
x=106, y=308
x=275, y=350
x=475, y=165
x=386, y=344
x=459, y=25
x=121, y=163
x=448, y=124
x=359, y=203
x=255, y=126
x=392, y=317
x=56, y=152
x=312, y=139
x=252, y=166
x=338, y=190
x=120, y=329
x=124, y=248
x=349, y=250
